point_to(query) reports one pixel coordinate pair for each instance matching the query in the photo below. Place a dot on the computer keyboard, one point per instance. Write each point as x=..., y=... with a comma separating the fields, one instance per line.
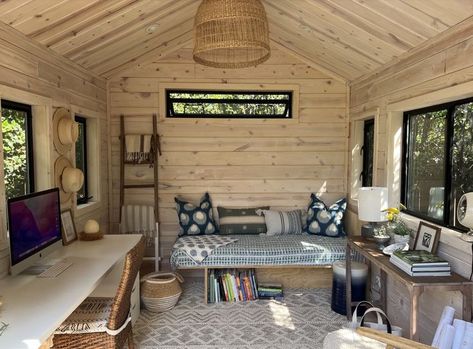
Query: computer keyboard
x=55, y=269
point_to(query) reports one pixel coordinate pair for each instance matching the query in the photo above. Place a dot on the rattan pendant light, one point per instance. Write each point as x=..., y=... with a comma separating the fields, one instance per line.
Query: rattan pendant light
x=231, y=34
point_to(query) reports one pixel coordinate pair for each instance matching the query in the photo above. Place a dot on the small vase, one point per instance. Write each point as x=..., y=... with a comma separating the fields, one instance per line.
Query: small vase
x=401, y=238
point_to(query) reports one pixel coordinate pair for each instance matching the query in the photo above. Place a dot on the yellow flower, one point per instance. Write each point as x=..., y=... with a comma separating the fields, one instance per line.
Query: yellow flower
x=392, y=212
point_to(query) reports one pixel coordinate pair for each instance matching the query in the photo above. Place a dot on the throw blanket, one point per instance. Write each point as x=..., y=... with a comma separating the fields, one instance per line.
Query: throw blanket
x=139, y=148
x=199, y=247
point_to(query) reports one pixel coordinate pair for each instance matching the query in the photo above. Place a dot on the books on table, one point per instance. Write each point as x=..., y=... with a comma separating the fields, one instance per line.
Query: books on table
x=420, y=263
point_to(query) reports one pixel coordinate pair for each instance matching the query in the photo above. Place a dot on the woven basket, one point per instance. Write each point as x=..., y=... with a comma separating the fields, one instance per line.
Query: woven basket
x=161, y=291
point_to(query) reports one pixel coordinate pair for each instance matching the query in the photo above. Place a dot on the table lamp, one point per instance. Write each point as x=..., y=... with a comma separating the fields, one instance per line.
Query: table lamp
x=371, y=203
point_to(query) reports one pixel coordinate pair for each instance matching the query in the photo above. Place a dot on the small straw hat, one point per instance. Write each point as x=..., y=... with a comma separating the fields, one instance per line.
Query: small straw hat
x=68, y=178
x=65, y=130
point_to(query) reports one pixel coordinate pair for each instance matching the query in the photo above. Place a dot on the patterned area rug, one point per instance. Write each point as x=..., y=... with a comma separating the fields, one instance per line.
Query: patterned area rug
x=300, y=322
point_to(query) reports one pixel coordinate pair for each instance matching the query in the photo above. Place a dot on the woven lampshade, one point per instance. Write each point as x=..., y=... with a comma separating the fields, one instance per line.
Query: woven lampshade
x=231, y=34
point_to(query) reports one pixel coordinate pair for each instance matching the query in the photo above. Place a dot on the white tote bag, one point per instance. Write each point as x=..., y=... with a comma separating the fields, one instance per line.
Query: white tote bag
x=348, y=338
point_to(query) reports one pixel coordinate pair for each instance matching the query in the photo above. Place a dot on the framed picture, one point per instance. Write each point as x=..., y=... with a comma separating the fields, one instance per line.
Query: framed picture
x=427, y=238
x=69, y=233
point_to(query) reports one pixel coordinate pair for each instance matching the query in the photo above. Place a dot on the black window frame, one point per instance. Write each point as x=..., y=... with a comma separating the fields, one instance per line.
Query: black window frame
x=83, y=121
x=368, y=166
x=449, y=137
x=170, y=113
x=7, y=104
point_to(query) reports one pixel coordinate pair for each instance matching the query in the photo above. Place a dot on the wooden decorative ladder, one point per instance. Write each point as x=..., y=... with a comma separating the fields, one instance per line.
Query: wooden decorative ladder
x=156, y=151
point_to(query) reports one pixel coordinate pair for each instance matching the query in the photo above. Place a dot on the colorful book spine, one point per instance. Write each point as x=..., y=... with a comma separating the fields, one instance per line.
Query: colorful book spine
x=225, y=289
x=211, y=287
x=236, y=294
x=231, y=285
x=254, y=285
x=217, y=291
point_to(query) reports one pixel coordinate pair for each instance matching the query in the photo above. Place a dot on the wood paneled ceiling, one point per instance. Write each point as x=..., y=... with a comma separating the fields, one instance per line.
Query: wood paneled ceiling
x=347, y=37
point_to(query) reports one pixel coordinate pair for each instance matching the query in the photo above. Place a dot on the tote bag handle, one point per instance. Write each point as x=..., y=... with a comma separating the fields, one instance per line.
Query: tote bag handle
x=379, y=313
x=354, y=318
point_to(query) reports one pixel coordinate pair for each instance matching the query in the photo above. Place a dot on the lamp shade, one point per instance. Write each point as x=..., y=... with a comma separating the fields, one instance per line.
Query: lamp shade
x=371, y=203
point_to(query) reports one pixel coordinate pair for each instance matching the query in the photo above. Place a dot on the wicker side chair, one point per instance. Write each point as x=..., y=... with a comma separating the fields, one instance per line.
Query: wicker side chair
x=103, y=323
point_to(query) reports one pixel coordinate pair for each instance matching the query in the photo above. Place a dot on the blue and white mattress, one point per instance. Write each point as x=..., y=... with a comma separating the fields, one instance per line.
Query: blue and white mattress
x=249, y=250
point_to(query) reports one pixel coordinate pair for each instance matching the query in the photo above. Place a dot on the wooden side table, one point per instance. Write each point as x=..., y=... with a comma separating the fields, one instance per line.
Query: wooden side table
x=414, y=285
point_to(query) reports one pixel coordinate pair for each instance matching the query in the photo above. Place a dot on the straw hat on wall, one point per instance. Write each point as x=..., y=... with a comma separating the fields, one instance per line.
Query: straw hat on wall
x=68, y=179
x=65, y=130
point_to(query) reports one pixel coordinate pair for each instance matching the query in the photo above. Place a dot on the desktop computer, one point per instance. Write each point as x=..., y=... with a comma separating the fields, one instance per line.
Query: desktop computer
x=34, y=224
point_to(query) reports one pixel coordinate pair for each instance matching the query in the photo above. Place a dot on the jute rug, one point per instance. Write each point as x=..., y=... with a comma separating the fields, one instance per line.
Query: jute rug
x=301, y=321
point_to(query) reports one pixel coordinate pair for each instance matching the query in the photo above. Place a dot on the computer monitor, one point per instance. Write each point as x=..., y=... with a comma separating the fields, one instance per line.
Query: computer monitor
x=34, y=223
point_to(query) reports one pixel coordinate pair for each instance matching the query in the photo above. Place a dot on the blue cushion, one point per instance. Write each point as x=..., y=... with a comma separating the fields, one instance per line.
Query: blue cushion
x=195, y=220
x=323, y=220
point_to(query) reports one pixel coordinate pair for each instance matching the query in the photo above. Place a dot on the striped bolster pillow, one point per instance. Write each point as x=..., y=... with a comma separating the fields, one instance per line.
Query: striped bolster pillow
x=241, y=221
x=281, y=222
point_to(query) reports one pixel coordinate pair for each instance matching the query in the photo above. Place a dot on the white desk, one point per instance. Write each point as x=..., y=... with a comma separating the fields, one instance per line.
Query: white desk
x=34, y=307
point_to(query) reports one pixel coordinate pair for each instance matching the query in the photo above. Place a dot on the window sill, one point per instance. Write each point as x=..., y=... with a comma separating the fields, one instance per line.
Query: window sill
x=448, y=236
x=87, y=208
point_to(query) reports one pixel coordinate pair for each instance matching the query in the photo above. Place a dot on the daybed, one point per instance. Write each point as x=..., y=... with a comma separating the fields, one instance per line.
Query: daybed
x=271, y=242
x=263, y=250
x=301, y=260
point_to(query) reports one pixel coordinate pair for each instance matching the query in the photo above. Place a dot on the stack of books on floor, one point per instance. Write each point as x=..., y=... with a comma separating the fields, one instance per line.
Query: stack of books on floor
x=230, y=285
x=270, y=291
x=420, y=263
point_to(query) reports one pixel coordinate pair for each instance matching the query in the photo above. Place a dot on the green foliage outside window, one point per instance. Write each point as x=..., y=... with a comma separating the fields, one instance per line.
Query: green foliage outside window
x=440, y=161
x=15, y=163
x=463, y=149
x=427, y=158
x=81, y=158
x=229, y=104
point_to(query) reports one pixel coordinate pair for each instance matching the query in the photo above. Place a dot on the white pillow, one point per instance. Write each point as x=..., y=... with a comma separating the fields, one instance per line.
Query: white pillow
x=282, y=222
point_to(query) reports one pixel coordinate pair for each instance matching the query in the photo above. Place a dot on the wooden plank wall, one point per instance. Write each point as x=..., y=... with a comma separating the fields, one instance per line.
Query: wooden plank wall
x=430, y=71
x=28, y=68
x=239, y=162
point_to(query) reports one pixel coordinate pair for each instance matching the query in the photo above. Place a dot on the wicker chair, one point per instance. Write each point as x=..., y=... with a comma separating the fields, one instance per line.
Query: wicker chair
x=115, y=328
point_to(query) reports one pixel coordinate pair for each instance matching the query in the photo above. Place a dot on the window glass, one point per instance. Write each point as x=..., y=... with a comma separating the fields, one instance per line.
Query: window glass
x=223, y=104
x=81, y=158
x=368, y=153
x=462, y=155
x=426, y=164
x=438, y=161
x=17, y=149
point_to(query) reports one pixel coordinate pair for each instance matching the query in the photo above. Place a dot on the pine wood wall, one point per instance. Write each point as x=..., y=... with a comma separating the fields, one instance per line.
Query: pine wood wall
x=30, y=71
x=437, y=71
x=239, y=162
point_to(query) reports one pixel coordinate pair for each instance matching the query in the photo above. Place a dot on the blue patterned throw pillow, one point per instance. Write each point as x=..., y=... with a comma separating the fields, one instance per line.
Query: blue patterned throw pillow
x=323, y=220
x=195, y=220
